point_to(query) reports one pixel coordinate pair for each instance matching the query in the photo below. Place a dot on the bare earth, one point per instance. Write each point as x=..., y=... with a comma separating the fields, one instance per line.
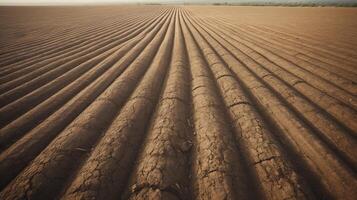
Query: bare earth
x=185, y=102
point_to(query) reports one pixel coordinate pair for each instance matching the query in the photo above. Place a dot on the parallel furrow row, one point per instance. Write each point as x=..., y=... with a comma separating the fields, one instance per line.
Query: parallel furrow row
x=160, y=102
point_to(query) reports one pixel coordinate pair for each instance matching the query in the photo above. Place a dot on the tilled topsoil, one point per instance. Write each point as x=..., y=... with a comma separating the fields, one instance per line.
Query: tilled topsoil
x=178, y=102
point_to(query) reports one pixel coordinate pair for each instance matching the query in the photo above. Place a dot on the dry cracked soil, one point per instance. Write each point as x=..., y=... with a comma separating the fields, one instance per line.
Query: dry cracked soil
x=178, y=102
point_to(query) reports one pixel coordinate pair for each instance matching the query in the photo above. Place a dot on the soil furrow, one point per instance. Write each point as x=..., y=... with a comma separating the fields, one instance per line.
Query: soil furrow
x=27, y=102
x=48, y=69
x=332, y=82
x=295, y=51
x=348, y=85
x=217, y=169
x=109, y=164
x=60, y=159
x=338, y=180
x=345, y=114
x=178, y=102
x=71, y=42
x=302, y=46
x=26, y=122
x=275, y=174
x=330, y=46
x=17, y=69
x=162, y=168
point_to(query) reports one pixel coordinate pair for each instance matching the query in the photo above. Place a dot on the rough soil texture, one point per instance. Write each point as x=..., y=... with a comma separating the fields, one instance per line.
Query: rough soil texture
x=178, y=102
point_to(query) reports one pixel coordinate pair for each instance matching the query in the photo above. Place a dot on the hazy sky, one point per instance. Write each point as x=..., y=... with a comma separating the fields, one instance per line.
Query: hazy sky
x=55, y=2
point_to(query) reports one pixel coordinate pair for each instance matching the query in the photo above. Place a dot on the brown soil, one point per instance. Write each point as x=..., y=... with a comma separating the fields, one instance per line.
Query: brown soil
x=185, y=102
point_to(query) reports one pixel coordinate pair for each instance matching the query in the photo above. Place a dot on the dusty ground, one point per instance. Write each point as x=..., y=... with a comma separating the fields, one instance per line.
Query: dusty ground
x=164, y=102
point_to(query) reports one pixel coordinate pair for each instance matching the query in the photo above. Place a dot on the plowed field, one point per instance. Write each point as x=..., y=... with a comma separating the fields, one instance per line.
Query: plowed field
x=178, y=102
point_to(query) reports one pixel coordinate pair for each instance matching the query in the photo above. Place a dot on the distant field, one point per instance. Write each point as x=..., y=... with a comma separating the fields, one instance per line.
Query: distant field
x=178, y=102
x=321, y=3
